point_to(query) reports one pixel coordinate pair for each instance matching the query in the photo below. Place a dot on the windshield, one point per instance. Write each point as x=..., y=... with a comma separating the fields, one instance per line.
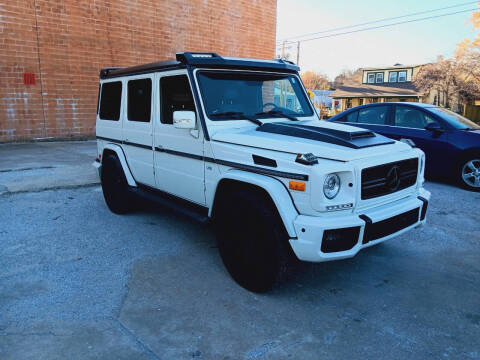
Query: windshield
x=455, y=120
x=251, y=94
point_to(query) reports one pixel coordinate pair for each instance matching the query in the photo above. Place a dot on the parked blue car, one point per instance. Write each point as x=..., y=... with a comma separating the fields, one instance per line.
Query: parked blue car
x=451, y=142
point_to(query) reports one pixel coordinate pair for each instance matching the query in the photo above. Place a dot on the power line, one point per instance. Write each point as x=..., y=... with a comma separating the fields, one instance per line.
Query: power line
x=376, y=21
x=380, y=26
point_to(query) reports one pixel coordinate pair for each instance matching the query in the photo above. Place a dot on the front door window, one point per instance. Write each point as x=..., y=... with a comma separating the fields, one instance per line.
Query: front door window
x=375, y=115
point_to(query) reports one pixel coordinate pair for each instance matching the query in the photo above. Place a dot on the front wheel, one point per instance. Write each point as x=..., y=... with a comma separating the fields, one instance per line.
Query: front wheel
x=469, y=171
x=252, y=241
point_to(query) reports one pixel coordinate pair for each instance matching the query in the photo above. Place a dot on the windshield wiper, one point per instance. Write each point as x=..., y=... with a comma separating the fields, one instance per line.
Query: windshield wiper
x=277, y=113
x=237, y=115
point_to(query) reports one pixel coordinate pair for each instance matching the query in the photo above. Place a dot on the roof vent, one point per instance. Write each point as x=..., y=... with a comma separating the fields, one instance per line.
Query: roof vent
x=397, y=64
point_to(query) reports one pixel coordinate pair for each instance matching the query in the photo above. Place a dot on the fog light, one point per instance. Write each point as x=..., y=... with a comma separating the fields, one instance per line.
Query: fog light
x=340, y=239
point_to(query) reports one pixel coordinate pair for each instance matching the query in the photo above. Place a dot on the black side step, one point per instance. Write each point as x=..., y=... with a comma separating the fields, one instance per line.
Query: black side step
x=192, y=210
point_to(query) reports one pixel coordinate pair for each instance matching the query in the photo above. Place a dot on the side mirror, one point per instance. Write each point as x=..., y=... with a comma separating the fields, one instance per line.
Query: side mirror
x=434, y=126
x=184, y=119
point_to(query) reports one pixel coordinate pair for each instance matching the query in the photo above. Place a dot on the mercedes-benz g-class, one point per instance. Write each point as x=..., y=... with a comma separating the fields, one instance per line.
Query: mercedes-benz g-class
x=238, y=142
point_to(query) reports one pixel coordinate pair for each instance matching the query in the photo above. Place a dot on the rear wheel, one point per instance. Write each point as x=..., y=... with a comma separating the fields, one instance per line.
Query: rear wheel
x=252, y=241
x=469, y=172
x=114, y=185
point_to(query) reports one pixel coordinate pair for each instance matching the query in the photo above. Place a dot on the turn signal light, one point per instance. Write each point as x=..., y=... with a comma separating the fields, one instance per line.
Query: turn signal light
x=296, y=185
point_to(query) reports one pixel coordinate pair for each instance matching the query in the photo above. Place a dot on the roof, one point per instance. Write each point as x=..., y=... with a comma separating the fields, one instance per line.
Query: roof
x=355, y=108
x=406, y=103
x=394, y=67
x=203, y=60
x=374, y=90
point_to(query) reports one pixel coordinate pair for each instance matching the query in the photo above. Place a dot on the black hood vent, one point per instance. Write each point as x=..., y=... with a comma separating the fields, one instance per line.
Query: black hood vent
x=355, y=140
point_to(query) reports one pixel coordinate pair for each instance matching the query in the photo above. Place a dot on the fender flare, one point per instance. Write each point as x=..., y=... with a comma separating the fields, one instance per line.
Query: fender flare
x=123, y=161
x=274, y=188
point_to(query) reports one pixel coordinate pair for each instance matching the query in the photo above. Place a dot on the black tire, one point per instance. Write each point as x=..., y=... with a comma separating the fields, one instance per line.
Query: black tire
x=115, y=188
x=469, y=164
x=252, y=241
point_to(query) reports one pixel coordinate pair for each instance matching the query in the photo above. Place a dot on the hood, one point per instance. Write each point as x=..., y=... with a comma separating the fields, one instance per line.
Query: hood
x=323, y=139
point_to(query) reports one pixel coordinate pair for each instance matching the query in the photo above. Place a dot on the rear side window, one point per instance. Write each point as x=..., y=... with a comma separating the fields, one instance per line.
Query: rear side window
x=376, y=115
x=176, y=95
x=139, y=100
x=110, y=101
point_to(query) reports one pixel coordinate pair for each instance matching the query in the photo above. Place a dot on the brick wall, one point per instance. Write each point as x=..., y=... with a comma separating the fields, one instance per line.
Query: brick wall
x=65, y=43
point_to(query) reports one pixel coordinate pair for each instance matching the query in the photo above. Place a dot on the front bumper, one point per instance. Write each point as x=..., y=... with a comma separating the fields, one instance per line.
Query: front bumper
x=340, y=237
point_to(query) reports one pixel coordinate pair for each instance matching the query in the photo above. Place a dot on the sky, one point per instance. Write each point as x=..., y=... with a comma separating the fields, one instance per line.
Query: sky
x=413, y=43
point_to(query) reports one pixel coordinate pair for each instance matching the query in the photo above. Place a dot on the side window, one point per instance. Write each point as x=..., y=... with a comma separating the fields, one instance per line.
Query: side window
x=110, y=101
x=376, y=115
x=393, y=76
x=352, y=117
x=408, y=117
x=139, y=100
x=175, y=95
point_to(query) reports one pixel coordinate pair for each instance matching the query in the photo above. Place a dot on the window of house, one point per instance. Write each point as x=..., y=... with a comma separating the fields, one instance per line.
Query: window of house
x=110, y=100
x=175, y=95
x=139, y=100
x=348, y=103
x=376, y=115
x=392, y=76
x=371, y=78
x=402, y=76
x=406, y=116
x=379, y=78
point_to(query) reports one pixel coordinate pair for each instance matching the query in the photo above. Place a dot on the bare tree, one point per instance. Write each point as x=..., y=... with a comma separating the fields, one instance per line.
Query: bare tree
x=442, y=76
x=467, y=57
x=348, y=76
x=315, y=81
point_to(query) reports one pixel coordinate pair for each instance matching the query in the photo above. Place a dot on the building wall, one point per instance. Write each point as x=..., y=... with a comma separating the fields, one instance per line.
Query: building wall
x=65, y=43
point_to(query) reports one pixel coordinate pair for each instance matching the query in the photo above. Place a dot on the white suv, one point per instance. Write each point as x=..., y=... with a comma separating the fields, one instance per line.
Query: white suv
x=238, y=141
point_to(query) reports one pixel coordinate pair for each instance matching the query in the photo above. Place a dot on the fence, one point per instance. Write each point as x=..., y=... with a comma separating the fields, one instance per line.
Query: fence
x=472, y=112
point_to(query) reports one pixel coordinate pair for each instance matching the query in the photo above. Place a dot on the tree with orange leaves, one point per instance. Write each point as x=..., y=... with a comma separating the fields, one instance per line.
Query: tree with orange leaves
x=315, y=81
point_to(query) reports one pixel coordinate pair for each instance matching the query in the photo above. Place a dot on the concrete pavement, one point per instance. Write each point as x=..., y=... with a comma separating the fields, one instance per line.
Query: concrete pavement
x=78, y=282
x=46, y=165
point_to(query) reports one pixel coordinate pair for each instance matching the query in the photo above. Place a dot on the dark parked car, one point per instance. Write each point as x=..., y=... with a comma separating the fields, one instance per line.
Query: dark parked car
x=451, y=142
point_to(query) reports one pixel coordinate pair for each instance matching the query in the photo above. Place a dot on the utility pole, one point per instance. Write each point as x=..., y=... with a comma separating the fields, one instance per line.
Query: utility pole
x=298, y=53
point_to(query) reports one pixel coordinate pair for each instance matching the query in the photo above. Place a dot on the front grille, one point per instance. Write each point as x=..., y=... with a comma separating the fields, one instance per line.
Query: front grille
x=388, y=178
x=378, y=230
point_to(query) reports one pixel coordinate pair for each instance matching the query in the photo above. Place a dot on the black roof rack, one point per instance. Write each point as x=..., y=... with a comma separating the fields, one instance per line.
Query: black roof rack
x=202, y=60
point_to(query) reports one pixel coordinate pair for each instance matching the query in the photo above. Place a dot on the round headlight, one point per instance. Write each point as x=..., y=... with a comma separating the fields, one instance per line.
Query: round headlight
x=331, y=186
